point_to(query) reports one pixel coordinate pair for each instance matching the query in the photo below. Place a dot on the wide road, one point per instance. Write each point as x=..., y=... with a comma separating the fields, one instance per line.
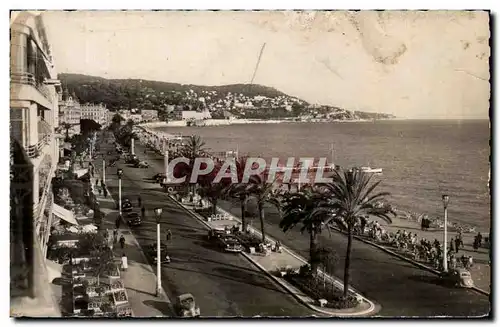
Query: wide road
x=399, y=287
x=224, y=284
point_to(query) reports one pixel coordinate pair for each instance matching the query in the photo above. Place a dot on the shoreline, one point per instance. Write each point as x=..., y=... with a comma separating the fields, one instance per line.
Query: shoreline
x=226, y=122
x=408, y=215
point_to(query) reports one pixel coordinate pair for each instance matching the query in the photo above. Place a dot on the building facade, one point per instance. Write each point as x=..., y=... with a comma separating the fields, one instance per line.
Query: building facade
x=70, y=113
x=34, y=154
x=95, y=112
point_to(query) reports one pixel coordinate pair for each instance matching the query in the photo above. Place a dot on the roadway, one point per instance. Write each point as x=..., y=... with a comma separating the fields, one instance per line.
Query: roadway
x=224, y=284
x=399, y=287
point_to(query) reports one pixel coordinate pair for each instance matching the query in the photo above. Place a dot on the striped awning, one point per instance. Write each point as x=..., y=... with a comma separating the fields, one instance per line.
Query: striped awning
x=64, y=214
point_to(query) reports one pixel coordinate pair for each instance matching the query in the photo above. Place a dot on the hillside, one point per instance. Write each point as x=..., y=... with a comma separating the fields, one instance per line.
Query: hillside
x=239, y=100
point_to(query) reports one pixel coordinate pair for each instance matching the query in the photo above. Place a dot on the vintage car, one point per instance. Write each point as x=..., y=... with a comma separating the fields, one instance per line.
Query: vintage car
x=131, y=158
x=229, y=243
x=215, y=234
x=159, y=177
x=185, y=306
x=457, y=277
x=152, y=251
x=141, y=164
x=126, y=206
x=133, y=219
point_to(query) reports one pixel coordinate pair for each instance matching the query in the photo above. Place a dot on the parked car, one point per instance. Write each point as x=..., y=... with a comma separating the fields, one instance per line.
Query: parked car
x=159, y=177
x=133, y=219
x=185, y=306
x=215, y=234
x=229, y=243
x=457, y=277
x=126, y=206
x=141, y=164
x=131, y=158
x=151, y=252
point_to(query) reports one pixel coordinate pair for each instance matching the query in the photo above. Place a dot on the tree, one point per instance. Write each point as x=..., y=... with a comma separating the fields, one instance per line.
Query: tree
x=102, y=257
x=240, y=190
x=263, y=192
x=192, y=149
x=211, y=190
x=66, y=127
x=300, y=208
x=351, y=197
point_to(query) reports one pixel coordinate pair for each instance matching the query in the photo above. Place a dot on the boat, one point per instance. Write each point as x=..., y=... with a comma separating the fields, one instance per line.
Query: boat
x=371, y=170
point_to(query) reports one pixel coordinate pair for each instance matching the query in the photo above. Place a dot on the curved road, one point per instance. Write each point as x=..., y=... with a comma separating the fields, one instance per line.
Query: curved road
x=224, y=284
x=399, y=287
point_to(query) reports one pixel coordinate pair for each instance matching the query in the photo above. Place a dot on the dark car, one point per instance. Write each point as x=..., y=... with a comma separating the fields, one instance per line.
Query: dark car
x=458, y=277
x=151, y=251
x=133, y=219
x=126, y=206
x=215, y=234
x=159, y=177
x=131, y=159
x=229, y=243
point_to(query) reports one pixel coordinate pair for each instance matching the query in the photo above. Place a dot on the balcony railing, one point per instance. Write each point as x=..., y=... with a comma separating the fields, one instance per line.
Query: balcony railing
x=33, y=151
x=29, y=79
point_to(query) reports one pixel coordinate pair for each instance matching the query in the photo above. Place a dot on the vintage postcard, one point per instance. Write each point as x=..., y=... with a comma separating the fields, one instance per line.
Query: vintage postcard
x=230, y=164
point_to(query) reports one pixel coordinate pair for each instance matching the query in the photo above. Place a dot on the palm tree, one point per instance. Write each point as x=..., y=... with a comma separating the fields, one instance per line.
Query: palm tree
x=301, y=208
x=263, y=192
x=351, y=198
x=240, y=190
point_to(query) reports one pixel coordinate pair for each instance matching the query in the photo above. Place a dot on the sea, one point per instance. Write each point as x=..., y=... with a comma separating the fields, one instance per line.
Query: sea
x=421, y=159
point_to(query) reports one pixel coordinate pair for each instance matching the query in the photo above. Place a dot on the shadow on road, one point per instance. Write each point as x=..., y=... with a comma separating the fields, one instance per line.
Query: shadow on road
x=161, y=306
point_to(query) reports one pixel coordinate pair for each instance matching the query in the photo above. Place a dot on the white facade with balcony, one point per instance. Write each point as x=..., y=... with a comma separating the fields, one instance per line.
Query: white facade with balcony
x=95, y=112
x=33, y=119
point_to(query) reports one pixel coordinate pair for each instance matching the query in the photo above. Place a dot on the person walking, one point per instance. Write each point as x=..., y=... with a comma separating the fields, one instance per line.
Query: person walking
x=457, y=243
x=479, y=239
x=104, y=190
x=169, y=235
x=452, y=245
x=115, y=236
x=476, y=243
x=139, y=201
x=122, y=241
x=118, y=222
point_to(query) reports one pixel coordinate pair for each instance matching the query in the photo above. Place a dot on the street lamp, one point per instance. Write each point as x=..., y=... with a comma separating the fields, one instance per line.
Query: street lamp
x=158, y=212
x=119, y=172
x=446, y=200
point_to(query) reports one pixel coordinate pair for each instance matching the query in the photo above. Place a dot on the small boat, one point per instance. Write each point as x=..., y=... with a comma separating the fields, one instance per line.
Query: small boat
x=371, y=170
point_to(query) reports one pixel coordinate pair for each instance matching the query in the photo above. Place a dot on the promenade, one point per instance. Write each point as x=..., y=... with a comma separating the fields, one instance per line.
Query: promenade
x=401, y=288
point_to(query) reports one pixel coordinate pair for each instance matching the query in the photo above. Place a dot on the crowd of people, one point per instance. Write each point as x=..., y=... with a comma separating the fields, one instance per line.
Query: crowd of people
x=423, y=250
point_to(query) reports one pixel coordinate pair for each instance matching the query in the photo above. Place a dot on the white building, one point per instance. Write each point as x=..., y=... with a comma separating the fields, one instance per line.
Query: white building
x=70, y=113
x=191, y=114
x=96, y=112
x=33, y=161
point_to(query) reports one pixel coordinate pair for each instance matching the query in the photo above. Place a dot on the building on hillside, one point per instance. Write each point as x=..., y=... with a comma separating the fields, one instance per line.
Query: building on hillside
x=70, y=113
x=34, y=154
x=190, y=114
x=96, y=112
x=149, y=115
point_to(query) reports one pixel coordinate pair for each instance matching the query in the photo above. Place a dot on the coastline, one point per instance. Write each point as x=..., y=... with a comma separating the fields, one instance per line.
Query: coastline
x=409, y=216
x=224, y=122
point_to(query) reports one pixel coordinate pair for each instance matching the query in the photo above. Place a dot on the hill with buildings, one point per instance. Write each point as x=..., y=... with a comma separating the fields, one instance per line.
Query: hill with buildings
x=235, y=100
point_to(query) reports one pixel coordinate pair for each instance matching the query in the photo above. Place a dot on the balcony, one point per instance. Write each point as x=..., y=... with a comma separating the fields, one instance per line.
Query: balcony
x=44, y=138
x=29, y=79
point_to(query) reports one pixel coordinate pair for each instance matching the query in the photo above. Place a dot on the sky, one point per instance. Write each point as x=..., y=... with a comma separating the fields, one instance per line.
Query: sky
x=411, y=64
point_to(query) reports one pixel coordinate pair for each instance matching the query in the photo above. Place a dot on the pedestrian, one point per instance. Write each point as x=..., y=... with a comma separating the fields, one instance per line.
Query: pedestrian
x=124, y=262
x=139, y=201
x=118, y=221
x=122, y=241
x=452, y=245
x=475, y=245
x=457, y=243
x=169, y=235
x=453, y=262
x=99, y=190
x=104, y=191
x=460, y=239
x=143, y=212
x=115, y=236
x=102, y=182
x=480, y=239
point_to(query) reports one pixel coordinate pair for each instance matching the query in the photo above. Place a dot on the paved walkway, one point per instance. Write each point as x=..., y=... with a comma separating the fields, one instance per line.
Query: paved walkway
x=481, y=270
x=139, y=279
x=273, y=262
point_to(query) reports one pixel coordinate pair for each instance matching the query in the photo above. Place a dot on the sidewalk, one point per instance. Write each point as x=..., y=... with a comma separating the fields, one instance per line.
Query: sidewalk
x=139, y=279
x=272, y=263
x=481, y=270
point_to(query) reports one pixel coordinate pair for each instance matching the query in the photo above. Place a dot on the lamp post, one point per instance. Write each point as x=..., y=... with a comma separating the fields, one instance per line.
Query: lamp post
x=158, y=212
x=446, y=200
x=119, y=172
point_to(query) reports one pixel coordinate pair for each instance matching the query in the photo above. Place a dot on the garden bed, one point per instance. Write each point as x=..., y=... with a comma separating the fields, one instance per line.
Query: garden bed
x=249, y=240
x=318, y=289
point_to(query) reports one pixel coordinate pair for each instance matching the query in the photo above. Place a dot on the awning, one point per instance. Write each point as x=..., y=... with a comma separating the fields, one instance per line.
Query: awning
x=64, y=214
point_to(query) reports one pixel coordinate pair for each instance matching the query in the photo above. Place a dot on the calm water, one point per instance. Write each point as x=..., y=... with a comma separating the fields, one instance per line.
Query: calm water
x=421, y=160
